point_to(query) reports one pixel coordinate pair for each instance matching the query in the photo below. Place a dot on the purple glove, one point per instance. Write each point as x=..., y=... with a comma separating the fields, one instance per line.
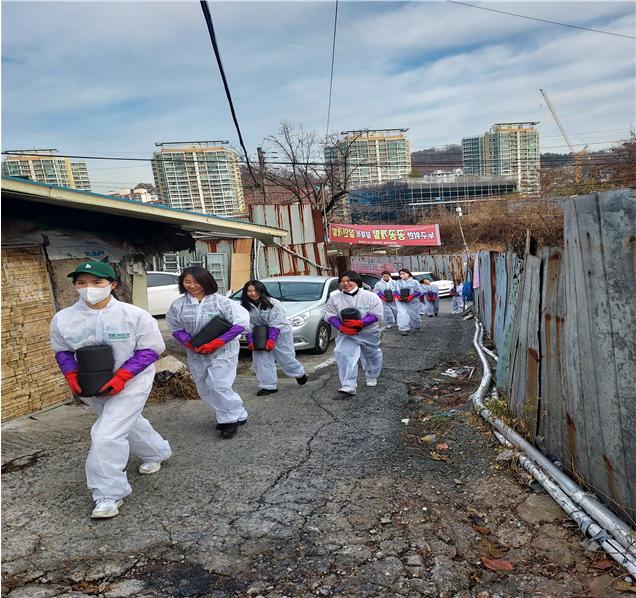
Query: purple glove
x=272, y=334
x=140, y=360
x=416, y=294
x=249, y=337
x=369, y=319
x=335, y=321
x=182, y=336
x=232, y=333
x=66, y=361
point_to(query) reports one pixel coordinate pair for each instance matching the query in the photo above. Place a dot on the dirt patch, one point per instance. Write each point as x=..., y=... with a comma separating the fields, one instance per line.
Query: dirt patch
x=21, y=463
x=504, y=551
x=185, y=580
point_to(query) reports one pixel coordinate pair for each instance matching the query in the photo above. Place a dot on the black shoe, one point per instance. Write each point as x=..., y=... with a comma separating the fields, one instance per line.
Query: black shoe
x=241, y=422
x=266, y=391
x=302, y=380
x=435, y=315
x=229, y=430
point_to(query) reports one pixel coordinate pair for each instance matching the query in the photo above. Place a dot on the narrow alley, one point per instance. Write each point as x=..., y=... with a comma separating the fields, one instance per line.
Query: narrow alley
x=400, y=491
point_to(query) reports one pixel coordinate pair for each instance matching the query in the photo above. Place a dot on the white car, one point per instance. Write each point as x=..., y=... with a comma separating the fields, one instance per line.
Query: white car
x=163, y=289
x=443, y=285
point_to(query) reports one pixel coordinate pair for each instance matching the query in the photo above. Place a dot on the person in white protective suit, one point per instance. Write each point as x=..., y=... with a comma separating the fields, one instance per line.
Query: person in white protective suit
x=431, y=297
x=357, y=340
x=213, y=365
x=99, y=319
x=457, y=301
x=386, y=283
x=279, y=350
x=408, y=306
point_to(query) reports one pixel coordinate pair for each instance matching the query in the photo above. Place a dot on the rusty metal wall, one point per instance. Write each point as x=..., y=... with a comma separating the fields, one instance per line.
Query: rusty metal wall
x=305, y=237
x=563, y=325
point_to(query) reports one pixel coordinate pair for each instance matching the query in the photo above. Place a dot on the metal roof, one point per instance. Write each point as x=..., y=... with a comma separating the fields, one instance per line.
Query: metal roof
x=94, y=202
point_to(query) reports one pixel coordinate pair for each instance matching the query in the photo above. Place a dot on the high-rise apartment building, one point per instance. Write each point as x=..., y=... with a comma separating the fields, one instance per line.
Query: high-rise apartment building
x=507, y=149
x=200, y=176
x=366, y=157
x=42, y=166
x=370, y=156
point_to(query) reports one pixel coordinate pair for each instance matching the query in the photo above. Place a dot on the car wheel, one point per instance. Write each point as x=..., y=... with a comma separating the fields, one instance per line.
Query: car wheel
x=323, y=336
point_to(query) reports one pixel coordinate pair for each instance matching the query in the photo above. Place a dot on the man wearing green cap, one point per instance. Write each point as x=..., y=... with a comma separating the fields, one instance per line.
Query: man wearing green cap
x=133, y=334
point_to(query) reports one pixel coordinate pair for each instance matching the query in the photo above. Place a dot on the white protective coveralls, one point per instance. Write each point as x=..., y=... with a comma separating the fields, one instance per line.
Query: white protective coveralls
x=457, y=302
x=390, y=308
x=408, y=314
x=431, y=308
x=365, y=345
x=213, y=373
x=120, y=428
x=283, y=353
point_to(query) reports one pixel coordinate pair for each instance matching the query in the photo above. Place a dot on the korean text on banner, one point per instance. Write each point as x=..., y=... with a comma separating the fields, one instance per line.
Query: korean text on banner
x=364, y=234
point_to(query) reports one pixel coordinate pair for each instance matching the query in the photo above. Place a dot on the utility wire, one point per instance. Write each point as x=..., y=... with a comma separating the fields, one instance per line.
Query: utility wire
x=208, y=21
x=276, y=162
x=333, y=57
x=513, y=14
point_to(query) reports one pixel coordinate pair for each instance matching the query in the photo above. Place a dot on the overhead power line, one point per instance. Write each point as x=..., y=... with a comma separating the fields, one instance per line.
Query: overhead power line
x=279, y=162
x=513, y=14
x=217, y=53
x=333, y=58
x=566, y=159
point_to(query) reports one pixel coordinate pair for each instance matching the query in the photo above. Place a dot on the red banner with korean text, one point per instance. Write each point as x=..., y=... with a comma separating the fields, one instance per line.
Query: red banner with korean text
x=369, y=234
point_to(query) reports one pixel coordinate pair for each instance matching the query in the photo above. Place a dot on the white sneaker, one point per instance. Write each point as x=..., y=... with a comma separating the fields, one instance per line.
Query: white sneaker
x=150, y=467
x=372, y=381
x=348, y=390
x=106, y=508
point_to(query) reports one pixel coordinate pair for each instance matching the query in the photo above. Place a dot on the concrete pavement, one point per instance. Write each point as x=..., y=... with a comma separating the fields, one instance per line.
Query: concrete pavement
x=315, y=496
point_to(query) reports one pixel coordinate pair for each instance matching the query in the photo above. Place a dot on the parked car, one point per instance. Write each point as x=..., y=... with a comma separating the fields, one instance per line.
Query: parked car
x=444, y=285
x=304, y=299
x=370, y=279
x=163, y=289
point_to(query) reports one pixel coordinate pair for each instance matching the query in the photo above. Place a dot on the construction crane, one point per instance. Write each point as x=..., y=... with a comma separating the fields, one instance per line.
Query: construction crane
x=578, y=156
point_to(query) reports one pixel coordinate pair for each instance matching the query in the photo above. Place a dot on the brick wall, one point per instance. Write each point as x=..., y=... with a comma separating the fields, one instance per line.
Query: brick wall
x=31, y=380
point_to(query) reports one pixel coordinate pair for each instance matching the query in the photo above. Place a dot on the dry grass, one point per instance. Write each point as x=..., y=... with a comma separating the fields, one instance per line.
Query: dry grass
x=178, y=386
x=505, y=223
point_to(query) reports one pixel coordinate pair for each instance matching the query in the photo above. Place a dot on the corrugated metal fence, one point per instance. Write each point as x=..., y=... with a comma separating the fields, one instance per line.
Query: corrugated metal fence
x=305, y=237
x=563, y=324
x=444, y=265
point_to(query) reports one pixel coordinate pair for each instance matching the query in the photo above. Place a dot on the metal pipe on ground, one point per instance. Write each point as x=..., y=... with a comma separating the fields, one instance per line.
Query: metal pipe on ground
x=603, y=517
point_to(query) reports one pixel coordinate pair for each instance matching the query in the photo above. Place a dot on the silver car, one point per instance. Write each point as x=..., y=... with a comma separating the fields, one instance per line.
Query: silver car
x=304, y=299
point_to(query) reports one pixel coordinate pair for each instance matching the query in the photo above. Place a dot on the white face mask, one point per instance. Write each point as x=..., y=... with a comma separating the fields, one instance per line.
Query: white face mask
x=94, y=295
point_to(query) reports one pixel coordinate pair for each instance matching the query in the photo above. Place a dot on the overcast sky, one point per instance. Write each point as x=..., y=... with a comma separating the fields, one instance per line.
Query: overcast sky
x=113, y=78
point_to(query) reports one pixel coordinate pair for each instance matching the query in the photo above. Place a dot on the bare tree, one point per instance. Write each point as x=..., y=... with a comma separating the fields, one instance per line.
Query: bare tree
x=300, y=166
x=296, y=166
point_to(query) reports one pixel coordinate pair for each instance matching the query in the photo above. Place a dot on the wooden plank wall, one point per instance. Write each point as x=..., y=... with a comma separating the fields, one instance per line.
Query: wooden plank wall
x=551, y=431
x=563, y=324
x=523, y=382
x=599, y=249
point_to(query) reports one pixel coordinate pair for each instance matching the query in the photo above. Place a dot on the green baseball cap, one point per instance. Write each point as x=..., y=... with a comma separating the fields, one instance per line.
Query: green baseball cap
x=99, y=269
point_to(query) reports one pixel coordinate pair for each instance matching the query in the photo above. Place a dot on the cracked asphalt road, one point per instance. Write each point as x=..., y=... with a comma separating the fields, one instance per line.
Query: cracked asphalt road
x=315, y=496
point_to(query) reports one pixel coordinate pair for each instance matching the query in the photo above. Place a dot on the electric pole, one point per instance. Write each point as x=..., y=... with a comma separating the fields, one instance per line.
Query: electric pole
x=261, y=171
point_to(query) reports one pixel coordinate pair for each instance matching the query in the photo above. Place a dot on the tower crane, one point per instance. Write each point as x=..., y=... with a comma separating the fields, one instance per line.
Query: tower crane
x=577, y=155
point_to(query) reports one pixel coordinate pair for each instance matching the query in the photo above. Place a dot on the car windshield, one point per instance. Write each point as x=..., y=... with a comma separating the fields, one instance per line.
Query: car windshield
x=291, y=291
x=295, y=291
